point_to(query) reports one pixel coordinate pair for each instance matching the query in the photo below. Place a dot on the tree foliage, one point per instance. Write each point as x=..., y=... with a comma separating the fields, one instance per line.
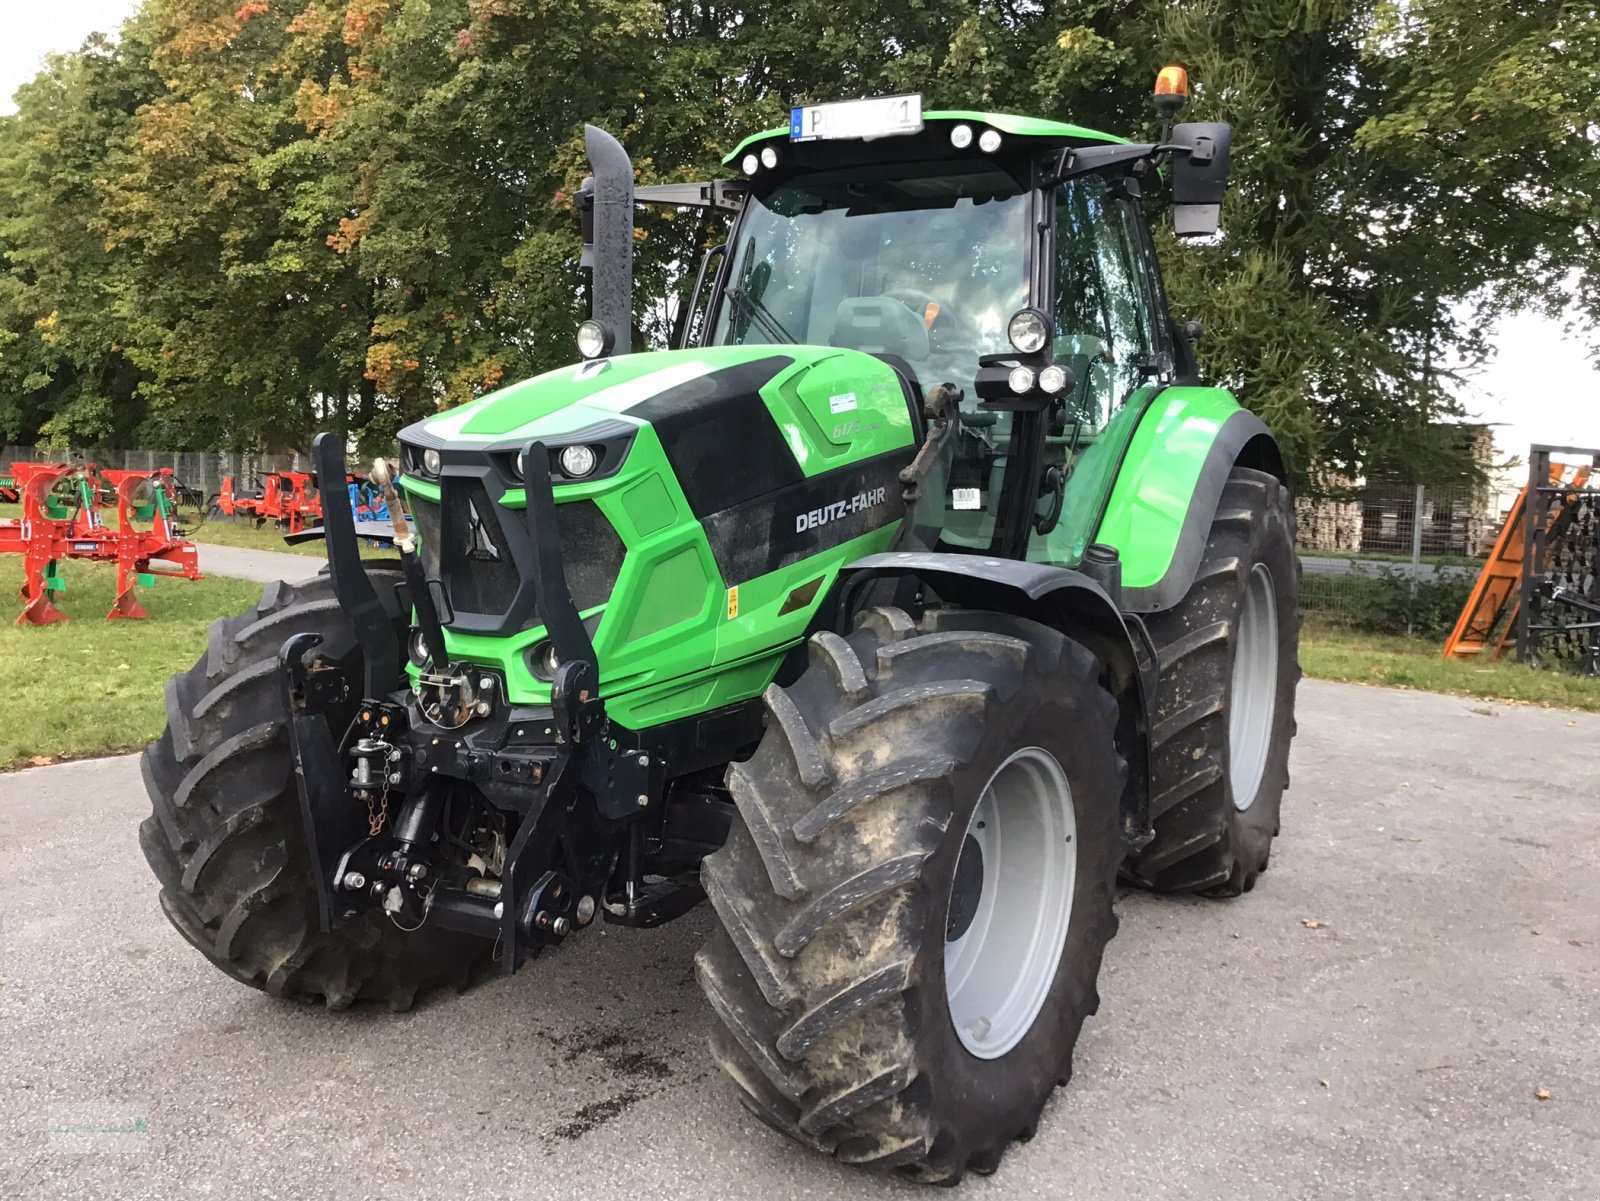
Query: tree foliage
x=246, y=220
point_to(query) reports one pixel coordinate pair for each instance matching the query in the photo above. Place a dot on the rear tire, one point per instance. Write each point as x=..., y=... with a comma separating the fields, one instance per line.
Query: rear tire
x=225, y=837
x=837, y=890
x=1224, y=714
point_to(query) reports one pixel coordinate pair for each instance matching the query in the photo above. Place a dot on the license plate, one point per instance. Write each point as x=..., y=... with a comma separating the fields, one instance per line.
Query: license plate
x=879, y=117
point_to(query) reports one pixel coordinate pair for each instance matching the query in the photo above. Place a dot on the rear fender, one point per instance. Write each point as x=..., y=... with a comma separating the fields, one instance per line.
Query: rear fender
x=1065, y=600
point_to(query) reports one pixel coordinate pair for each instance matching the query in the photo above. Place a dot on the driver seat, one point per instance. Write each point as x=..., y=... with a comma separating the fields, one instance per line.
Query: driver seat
x=880, y=325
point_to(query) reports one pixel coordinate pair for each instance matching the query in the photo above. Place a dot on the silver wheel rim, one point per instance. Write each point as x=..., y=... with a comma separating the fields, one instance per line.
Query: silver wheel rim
x=1010, y=903
x=1254, y=689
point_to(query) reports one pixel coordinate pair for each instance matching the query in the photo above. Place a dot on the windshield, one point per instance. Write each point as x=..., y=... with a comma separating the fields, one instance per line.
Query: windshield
x=924, y=263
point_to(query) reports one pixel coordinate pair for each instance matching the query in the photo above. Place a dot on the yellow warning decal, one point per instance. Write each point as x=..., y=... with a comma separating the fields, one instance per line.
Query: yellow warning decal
x=733, y=602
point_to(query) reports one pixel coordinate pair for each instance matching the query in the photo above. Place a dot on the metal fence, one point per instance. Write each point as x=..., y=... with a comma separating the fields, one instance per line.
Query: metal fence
x=1393, y=557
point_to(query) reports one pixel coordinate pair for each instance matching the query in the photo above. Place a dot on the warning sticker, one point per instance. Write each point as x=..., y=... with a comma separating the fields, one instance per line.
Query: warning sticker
x=733, y=602
x=845, y=402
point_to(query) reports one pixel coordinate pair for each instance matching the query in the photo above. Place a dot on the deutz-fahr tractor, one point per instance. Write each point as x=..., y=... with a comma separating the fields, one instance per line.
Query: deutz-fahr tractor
x=918, y=595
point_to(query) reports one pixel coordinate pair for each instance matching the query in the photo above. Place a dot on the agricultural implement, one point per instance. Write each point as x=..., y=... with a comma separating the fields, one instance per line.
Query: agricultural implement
x=62, y=518
x=921, y=590
x=288, y=499
x=1539, y=591
x=292, y=501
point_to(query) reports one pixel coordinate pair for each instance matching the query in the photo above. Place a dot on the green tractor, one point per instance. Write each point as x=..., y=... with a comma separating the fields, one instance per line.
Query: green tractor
x=918, y=594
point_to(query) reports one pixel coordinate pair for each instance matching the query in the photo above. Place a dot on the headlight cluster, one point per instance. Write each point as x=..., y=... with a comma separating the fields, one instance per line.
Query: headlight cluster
x=753, y=161
x=988, y=141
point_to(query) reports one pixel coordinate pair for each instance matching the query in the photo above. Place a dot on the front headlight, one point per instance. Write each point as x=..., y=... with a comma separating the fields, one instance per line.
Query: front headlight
x=430, y=461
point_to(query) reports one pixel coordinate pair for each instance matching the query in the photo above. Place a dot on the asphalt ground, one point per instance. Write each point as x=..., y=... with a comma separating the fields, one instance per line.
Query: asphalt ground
x=246, y=563
x=1446, y=850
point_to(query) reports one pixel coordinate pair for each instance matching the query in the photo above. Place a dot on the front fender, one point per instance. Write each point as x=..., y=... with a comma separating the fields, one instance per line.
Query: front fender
x=1169, y=484
x=1061, y=598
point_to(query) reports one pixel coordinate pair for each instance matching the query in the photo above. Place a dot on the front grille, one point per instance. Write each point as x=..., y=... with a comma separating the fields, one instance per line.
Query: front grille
x=464, y=545
x=591, y=552
x=475, y=557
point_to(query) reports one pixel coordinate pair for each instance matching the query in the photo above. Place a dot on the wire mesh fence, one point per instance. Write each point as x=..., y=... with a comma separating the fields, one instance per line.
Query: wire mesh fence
x=199, y=472
x=1392, y=557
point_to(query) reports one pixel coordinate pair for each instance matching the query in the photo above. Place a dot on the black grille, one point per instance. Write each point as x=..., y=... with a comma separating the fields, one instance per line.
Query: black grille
x=475, y=556
x=427, y=514
x=591, y=552
x=465, y=545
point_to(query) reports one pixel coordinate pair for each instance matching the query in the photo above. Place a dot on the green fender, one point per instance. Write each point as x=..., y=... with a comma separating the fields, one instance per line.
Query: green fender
x=1182, y=447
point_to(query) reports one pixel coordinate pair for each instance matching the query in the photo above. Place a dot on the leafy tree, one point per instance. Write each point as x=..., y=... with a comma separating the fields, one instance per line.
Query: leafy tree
x=249, y=219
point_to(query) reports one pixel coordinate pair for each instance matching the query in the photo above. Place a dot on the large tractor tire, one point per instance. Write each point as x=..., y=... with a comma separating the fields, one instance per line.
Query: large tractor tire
x=226, y=840
x=1224, y=715
x=916, y=893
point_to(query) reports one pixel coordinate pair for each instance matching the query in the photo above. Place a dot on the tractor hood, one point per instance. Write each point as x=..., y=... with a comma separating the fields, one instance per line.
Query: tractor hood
x=704, y=501
x=570, y=401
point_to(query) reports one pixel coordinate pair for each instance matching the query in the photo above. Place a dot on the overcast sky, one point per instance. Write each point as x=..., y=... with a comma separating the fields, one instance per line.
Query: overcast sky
x=1539, y=388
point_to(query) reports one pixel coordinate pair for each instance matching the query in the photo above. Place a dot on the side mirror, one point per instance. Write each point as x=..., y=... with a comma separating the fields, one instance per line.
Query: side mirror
x=1199, y=177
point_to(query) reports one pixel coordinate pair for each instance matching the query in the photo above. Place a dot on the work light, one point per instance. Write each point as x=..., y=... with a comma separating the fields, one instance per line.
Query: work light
x=594, y=339
x=1053, y=379
x=989, y=141
x=1020, y=379
x=1028, y=331
x=961, y=137
x=769, y=157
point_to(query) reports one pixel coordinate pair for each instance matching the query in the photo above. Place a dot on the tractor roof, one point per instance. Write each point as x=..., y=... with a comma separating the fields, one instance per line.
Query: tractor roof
x=1038, y=129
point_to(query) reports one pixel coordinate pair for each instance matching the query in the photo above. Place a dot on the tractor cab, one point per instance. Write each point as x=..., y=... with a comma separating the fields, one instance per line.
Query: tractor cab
x=1005, y=256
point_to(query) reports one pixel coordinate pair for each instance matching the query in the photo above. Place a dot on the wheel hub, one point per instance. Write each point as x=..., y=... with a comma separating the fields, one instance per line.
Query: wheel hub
x=1010, y=903
x=1253, y=693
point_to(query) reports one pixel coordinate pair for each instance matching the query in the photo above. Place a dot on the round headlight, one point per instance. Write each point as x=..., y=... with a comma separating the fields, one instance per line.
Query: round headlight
x=750, y=163
x=542, y=661
x=1053, y=379
x=578, y=461
x=1020, y=379
x=1027, y=331
x=769, y=157
x=961, y=137
x=594, y=339
x=430, y=461
x=989, y=141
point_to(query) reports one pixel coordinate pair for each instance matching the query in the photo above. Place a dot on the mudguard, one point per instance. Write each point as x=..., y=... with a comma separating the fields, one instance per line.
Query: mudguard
x=1169, y=484
x=1061, y=598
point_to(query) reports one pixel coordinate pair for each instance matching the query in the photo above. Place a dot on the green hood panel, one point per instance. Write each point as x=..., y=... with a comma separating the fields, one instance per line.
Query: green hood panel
x=825, y=401
x=754, y=475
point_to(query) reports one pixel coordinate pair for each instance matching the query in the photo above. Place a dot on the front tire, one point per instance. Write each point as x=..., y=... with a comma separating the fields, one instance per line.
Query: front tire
x=850, y=883
x=225, y=836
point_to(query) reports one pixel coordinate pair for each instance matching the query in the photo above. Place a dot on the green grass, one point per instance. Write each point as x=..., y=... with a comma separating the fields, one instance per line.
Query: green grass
x=91, y=686
x=1331, y=653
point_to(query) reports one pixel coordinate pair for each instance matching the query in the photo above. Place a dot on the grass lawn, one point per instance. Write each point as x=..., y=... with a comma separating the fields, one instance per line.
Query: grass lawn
x=90, y=686
x=1331, y=653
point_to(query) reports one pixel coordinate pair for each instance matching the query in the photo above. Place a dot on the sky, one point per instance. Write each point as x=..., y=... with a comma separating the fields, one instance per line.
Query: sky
x=1540, y=387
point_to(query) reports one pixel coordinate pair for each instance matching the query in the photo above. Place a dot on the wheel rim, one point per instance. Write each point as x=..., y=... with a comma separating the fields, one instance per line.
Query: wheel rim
x=1010, y=903
x=1254, y=693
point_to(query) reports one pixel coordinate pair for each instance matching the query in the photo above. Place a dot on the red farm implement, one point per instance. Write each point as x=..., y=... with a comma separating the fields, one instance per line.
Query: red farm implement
x=286, y=498
x=63, y=518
